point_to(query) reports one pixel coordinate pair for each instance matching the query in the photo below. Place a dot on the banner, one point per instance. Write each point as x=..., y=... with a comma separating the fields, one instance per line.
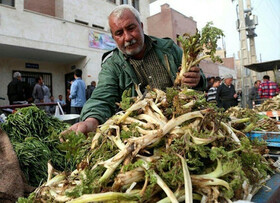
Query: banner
x=101, y=40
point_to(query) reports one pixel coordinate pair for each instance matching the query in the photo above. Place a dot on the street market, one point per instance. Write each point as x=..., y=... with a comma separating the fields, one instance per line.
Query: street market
x=155, y=127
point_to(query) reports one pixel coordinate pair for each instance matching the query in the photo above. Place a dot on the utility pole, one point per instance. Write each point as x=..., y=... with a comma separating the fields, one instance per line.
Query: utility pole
x=245, y=25
x=241, y=27
x=251, y=22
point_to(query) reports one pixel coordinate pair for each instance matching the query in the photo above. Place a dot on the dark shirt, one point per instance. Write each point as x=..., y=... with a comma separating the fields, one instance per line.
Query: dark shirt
x=89, y=91
x=224, y=97
x=15, y=91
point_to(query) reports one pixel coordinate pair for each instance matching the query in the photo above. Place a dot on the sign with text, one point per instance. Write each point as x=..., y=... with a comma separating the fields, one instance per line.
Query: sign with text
x=101, y=40
x=32, y=65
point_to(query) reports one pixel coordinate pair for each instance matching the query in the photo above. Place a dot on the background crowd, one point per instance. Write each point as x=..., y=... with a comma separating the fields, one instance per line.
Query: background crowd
x=21, y=93
x=219, y=90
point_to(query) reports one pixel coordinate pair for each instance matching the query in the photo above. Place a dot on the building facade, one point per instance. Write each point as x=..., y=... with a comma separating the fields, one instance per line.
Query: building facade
x=51, y=38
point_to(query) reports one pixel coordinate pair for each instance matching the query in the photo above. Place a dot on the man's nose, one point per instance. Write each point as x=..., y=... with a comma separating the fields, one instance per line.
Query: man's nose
x=127, y=36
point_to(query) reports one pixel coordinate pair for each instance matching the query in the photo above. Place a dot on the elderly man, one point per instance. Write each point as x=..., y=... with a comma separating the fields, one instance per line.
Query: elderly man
x=139, y=59
x=226, y=96
x=15, y=89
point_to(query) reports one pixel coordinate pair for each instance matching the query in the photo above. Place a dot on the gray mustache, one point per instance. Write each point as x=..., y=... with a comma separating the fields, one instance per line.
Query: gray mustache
x=126, y=44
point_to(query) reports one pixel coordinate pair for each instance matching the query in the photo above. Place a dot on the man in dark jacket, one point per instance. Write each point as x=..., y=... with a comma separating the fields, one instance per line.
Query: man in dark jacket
x=226, y=96
x=254, y=96
x=16, y=89
x=139, y=59
x=90, y=89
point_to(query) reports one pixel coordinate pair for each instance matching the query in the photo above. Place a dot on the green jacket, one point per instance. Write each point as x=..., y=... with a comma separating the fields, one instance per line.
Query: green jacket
x=118, y=75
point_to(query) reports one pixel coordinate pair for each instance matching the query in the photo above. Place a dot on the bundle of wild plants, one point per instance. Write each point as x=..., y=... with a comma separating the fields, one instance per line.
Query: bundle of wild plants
x=166, y=147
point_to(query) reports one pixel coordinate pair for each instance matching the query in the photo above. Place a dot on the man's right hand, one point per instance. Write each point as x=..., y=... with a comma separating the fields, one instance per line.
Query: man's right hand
x=89, y=125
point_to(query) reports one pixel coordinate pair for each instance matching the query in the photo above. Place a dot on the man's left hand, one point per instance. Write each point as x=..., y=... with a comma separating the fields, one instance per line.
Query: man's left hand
x=191, y=78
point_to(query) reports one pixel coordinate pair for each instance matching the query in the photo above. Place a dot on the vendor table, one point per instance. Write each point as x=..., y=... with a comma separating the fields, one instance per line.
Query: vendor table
x=266, y=195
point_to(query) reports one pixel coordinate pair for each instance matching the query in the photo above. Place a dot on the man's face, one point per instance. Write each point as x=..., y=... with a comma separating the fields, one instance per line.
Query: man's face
x=128, y=33
x=41, y=81
x=60, y=97
x=228, y=81
x=216, y=84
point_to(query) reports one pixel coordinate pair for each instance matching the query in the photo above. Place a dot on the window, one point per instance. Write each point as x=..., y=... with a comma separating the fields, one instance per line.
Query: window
x=124, y=1
x=98, y=26
x=81, y=22
x=8, y=2
x=135, y=4
x=29, y=78
x=112, y=1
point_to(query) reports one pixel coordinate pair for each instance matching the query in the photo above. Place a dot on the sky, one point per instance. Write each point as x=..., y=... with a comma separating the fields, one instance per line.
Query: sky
x=223, y=14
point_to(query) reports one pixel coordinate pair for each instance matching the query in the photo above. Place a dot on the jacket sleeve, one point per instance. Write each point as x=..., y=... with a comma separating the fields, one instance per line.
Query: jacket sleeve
x=252, y=94
x=102, y=104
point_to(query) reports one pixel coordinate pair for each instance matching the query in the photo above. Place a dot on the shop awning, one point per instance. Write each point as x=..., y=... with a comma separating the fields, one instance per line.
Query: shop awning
x=264, y=66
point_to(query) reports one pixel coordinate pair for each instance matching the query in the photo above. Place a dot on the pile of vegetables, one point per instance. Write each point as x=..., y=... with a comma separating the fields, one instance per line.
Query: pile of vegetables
x=34, y=136
x=163, y=147
x=249, y=120
x=269, y=105
x=167, y=147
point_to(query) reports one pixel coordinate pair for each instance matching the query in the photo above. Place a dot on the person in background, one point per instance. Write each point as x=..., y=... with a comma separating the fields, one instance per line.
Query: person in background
x=138, y=59
x=47, y=96
x=210, y=82
x=267, y=88
x=52, y=108
x=254, y=97
x=61, y=102
x=15, y=89
x=226, y=96
x=38, y=92
x=77, y=93
x=90, y=89
x=68, y=101
x=212, y=92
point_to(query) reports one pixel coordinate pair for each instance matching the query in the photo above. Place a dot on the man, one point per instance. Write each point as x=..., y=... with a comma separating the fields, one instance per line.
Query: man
x=52, y=108
x=90, y=89
x=62, y=103
x=38, y=92
x=60, y=100
x=15, y=89
x=226, y=96
x=47, y=95
x=139, y=59
x=267, y=88
x=254, y=96
x=77, y=93
x=212, y=92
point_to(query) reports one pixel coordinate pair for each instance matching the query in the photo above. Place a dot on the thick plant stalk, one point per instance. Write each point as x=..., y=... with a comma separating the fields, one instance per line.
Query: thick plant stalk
x=138, y=105
x=161, y=183
x=130, y=120
x=56, y=180
x=112, y=163
x=107, y=196
x=230, y=131
x=165, y=188
x=187, y=180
